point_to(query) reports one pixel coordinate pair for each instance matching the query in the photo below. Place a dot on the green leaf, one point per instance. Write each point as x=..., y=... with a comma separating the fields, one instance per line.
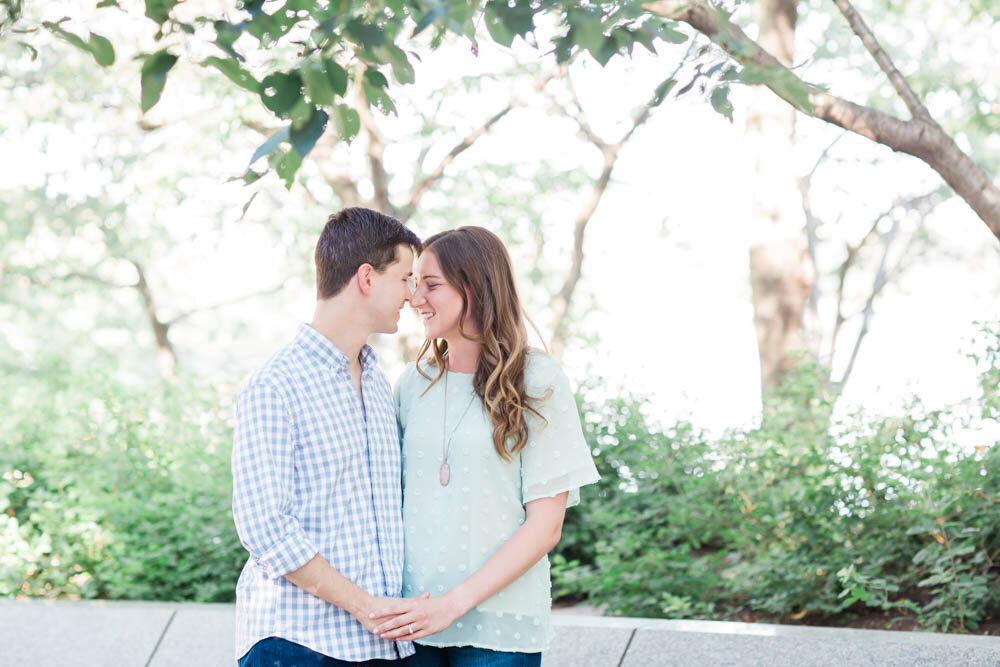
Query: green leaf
x=154, y=77
x=272, y=142
x=519, y=19
x=346, y=121
x=587, y=29
x=97, y=46
x=663, y=90
x=300, y=113
x=159, y=10
x=107, y=3
x=608, y=48
x=665, y=31
x=429, y=18
x=103, y=52
x=304, y=138
x=495, y=24
x=720, y=102
x=379, y=98
x=402, y=70
x=232, y=70
x=337, y=76
x=317, y=83
x=624, y=39
x=365, y=34
x=280, y=91
x=30, y=49
x=287, y=166
x=376, y=78
x=645, y=38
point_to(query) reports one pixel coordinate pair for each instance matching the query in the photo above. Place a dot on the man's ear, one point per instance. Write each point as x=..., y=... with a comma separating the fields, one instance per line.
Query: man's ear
x=364, y=276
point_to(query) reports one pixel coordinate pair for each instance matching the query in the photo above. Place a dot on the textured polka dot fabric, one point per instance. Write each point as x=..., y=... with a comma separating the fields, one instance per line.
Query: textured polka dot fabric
x=450, y=531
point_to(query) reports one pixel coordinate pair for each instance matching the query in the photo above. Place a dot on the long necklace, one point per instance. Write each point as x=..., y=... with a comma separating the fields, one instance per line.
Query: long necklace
x=445, y=473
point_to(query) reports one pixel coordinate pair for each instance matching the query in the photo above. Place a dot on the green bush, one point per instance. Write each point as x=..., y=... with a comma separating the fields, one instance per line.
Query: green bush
x=797, y=516
x=111, y=492
x=107, y=491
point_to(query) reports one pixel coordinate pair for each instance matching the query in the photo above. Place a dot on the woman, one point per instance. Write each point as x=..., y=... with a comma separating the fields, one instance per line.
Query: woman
x=493, y=454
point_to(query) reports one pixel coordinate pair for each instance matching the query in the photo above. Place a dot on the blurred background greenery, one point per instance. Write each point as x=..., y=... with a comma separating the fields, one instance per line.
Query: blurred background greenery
x=797, y=480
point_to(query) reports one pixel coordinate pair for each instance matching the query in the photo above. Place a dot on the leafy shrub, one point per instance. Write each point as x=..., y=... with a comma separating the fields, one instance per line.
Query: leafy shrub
x=798, y=516
x=109, y=492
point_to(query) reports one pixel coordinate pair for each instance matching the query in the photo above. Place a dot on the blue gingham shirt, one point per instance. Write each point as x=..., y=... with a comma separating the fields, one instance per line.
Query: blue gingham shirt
x=314, y=472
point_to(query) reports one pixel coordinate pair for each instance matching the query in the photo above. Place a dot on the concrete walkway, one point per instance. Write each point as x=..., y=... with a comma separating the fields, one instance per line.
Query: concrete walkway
x=39, y=633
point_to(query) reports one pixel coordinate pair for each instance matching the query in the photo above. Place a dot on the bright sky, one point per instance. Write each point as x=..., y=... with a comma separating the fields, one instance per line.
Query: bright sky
x=666, y=253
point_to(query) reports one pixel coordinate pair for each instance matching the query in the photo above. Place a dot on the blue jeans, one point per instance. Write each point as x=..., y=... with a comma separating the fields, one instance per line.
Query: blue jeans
x=470, y=656
x=278, y=652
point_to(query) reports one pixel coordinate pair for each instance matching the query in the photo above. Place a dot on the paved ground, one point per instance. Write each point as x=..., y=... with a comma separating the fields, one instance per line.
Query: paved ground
x=39, y=633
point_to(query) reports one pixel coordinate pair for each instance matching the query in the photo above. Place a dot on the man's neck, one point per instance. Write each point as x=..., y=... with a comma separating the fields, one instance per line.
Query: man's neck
x=333, y=318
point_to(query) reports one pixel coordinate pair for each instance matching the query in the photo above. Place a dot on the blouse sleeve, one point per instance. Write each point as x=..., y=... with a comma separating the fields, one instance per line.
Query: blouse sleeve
x=557, y=457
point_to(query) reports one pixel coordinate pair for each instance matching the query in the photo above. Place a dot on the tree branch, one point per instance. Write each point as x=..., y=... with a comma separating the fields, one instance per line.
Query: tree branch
x=610, y=152
x=424, y=185
x=227, y=302
x=166, y=356
x=877, y=285
x=858, y=26
x=923, y=140
x=376, y=156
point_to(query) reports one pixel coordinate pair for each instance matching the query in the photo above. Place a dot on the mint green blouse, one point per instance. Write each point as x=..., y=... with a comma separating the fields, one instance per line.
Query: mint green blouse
x=450, y=531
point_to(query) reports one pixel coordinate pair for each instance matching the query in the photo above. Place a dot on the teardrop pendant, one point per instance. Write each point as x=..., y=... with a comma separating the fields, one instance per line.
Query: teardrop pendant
x=445, y=474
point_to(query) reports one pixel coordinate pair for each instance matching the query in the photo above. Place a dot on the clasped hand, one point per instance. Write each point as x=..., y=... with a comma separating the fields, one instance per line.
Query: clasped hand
x=406, y=619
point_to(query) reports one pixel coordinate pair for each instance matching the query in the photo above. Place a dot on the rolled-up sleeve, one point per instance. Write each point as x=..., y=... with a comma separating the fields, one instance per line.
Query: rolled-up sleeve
x=263, y=482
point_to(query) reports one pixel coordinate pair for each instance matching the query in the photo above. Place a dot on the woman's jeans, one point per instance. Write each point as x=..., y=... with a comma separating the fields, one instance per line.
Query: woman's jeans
x=469, y=656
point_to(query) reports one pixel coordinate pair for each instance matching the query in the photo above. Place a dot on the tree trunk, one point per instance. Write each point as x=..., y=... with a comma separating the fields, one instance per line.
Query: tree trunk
x=781, y=271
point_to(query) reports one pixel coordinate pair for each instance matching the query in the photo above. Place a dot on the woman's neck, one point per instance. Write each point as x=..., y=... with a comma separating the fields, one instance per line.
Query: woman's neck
x=463, y=355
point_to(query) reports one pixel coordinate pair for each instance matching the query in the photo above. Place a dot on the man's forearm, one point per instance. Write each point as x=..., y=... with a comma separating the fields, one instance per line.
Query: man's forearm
x=323, y=580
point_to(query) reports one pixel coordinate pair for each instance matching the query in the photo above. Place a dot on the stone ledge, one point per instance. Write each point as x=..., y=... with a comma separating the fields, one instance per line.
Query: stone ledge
x=164, y=634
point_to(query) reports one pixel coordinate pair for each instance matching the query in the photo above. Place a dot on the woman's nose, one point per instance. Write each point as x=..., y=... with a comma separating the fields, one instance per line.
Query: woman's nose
x=417, y=298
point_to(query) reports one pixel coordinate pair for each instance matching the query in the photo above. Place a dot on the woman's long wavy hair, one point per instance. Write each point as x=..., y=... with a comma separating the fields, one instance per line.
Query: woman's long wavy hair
x=475, y=262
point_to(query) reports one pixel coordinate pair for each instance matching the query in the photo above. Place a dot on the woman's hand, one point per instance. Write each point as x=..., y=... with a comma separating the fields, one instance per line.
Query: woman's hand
x=415, y=618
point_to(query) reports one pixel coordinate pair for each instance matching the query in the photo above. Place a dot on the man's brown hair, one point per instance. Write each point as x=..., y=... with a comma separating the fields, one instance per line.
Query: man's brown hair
x=356, y=236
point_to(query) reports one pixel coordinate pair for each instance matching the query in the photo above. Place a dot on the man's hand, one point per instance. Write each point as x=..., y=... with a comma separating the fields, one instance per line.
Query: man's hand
x=414, y=618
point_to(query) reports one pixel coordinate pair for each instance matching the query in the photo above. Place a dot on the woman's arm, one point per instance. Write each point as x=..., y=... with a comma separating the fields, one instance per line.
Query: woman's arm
x=536, y=537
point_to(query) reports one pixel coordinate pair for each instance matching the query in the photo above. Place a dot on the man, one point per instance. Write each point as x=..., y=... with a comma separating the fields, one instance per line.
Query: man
x=316, y=463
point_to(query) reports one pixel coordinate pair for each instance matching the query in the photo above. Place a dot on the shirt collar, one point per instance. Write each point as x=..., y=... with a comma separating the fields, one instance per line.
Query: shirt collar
x=323, y=349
